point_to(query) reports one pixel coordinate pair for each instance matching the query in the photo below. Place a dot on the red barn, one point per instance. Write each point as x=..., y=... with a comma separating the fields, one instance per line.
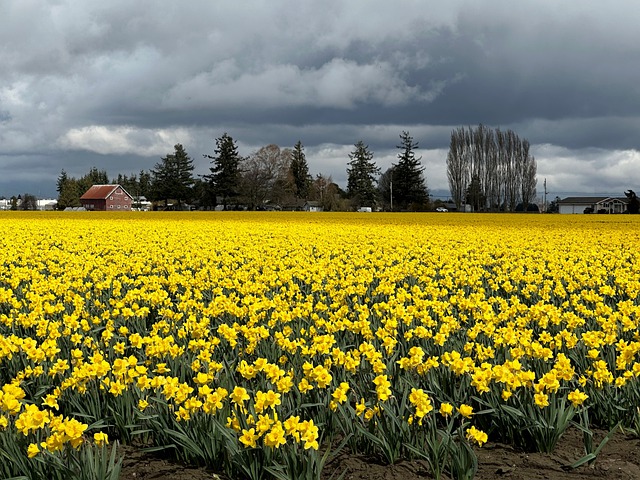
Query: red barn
x=106, y=198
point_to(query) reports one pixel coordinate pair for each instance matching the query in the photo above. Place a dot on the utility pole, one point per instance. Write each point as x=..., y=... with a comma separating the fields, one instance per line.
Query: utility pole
x=545, y=196
x=391, y=190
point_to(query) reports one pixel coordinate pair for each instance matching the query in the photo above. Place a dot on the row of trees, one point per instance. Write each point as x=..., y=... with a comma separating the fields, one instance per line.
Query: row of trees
x=70, y=189
x=269, y=177
x=275, y=176
x=401, y=187
x=22, y=202
x=491, y=170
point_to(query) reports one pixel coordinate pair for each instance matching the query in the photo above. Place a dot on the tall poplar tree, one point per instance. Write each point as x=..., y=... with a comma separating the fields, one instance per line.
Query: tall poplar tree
x=499, y=164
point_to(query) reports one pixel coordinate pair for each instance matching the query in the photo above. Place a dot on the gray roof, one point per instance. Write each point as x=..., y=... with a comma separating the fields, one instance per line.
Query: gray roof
x=590, y=200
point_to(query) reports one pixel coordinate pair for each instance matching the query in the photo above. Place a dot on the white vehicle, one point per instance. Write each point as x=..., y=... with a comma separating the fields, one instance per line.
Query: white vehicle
x=441, y=209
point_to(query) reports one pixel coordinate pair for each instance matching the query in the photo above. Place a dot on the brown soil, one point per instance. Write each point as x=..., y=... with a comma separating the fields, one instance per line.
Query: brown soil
x=619, y=460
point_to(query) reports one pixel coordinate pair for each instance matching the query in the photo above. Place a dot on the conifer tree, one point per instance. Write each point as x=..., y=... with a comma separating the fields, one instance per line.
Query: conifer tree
x=409, y=187
x=299, y=170
x=173, y=177
x=361, y=175
x=224, y=179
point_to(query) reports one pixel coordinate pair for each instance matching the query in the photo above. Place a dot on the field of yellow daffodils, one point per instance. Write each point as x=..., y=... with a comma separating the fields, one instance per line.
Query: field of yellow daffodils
x=260, y=345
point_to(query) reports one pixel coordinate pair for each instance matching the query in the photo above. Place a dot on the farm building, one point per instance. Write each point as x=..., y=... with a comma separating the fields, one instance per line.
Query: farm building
x=593, y=205
x=312, y=207
x=106, y=198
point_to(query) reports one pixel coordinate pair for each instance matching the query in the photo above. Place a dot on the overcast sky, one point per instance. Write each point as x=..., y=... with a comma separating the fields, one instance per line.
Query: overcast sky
x=116, y=84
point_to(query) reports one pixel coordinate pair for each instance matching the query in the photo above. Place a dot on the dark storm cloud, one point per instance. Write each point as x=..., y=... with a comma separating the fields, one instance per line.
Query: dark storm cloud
x=116, y=84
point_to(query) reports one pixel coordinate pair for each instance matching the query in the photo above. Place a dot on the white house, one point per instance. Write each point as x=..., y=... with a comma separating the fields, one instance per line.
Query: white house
x=593, y=205
x=47, y=204
x=312, y=207
x=42, y=204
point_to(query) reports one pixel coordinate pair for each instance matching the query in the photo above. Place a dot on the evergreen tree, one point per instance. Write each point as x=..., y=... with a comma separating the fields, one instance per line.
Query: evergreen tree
x=184, y=180
x=225, y=172
x=203, y=194
x=161, y=181
x=97, y=177
x=173, y=177
x=634, y=204
x=300, y=172
x=474, y=195
x=70, y=195
x=361, y=175
x=144, y=184
x=62, y=180
x=409, y=188
x=94, y=177
x=129, y=183
x=68, y=191
x=554, y=206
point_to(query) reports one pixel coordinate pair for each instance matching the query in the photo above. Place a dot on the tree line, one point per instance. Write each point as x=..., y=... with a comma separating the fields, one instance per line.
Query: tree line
x=70, y=189
x=270, y=177
x=23, y=202
x=401, y=187
x=490, y=170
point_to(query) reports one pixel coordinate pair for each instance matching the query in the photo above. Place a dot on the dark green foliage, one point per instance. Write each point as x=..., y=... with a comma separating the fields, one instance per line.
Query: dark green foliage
x=554, y=206
x=225, y=172
x=634, y=204
x=361, y=173
x=299, y=170
x=409, y=187
x=173, y=177
x=70, y=189
x=136, y=185
x=94, y=177
x=475, y=196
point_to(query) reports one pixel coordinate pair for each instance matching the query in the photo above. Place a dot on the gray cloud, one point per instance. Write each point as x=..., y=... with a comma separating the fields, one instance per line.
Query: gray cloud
x=115, y=84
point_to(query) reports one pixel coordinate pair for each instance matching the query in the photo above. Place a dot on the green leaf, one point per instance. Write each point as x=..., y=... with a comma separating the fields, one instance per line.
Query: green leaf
x=587, y=458
x=514, y=412
x=159, y=448
x=607, y=438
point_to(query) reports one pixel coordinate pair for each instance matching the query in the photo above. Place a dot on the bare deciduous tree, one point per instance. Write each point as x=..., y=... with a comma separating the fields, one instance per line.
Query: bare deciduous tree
x=265, y=176
x=503, y=171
